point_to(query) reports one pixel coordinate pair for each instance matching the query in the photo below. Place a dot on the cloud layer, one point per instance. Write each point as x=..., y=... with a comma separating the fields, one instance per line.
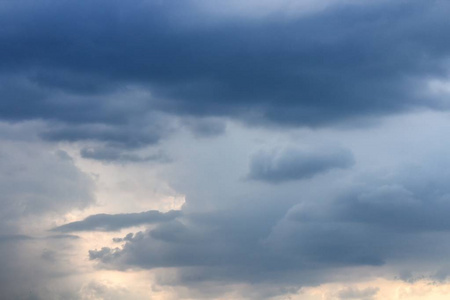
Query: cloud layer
x=105, y=222
x=295, y=164
x=384, y=220
x=307, y=143
x=74, y=63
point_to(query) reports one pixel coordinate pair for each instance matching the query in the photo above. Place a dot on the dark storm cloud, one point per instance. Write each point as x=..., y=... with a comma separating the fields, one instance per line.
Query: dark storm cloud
x=296, y=164
x=105, y=222
x=132, y=134
x=345, y=62
x=369, y=224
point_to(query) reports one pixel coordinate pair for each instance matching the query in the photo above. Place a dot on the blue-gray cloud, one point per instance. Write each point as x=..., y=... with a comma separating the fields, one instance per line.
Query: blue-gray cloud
x=68, y=62
x=105, y=222
x=36, y=183
x=202, y=127
x=22, y=237
x=368, y=224
x=120, y=75
x=295, y=164
x=116, y=155
x=26, y=192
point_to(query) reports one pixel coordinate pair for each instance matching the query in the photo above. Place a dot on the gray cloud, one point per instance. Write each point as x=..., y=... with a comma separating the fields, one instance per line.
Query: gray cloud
x=14, y=238
x=129, y=135
x=26, y=192
x=344, y=63
x=128, y=237
x=204, y=127
x=105, y=222
x=315, y=239
x=106, y=254
x=22, y=237
x=37, y=182
x=117, y=155
x=296, y=164
x=119, y=77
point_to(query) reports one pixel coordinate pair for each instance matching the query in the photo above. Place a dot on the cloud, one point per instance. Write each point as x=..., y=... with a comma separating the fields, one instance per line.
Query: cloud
x=22, y=237
x=105, y=222
x=204, y=127
x=128, y=135
x=363, y=294
x=116, y=155
x=26, y=192
x=128, y=237
x=370, y=224
x=114, y=79
x=38, y=183
x=127, y=73
x=345, y=226
x=100, y=79
x=104, y=290
x=296, y=164
x=106, y=254
x=14, y=238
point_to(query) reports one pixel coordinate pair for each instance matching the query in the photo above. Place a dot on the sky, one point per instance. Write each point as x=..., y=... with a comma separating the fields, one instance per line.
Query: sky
x=190, y=149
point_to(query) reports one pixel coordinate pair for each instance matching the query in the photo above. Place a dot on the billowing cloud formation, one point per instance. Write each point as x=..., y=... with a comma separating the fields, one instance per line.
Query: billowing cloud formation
x=111, y=79
x=105, y=222
x=106, y=71
x=390, y=218
x=295, y=164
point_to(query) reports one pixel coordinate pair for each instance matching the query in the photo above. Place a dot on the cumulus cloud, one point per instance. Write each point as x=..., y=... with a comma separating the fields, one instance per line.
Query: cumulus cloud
x=105, y=222
x=295, y=164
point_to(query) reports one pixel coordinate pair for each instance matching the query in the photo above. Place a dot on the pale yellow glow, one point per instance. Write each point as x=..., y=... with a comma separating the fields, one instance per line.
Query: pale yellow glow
x=387, y=290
